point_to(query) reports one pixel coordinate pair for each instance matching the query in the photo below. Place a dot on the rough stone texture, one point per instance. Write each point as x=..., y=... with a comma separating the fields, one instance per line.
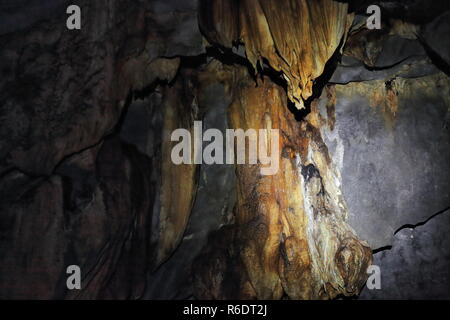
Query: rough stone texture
x=434, y=35
x=289, y=236
x=98, y=220
x=392, y=145
x=417, y=266
x=85, y=170
x=355, y=71
x=396, y=57
x=391, y=140
x=16, y=15
x=63, y=91
x=213, y=203
x=397, y=50
x=106, y=207
x=32, y=246
x=55, y=86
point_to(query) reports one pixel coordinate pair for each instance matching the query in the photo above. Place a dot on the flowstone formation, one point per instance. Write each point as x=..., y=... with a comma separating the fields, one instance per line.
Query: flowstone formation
x=289, y=235
x=295, y=37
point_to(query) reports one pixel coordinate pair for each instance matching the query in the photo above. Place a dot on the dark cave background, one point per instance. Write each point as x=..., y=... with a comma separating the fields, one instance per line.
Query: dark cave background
x=81, y=147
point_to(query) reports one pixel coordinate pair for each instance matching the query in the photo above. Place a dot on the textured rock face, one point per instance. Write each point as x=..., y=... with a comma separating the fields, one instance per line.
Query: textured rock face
x=391, y=170
x=389, y=136
x=52, y=81
x=104, y=206
x=418, y=252
x=432, y=34
x=92, y=216
x=62, y=91
x=289, y=236
x=214, y=199
x=85, y=142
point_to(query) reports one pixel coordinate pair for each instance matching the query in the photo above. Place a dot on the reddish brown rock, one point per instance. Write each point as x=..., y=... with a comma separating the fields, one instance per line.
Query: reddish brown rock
x=290, y=234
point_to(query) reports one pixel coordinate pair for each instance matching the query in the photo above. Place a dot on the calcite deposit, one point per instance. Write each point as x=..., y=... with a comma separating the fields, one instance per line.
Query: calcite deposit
x=295, y=37
x=289, y=234
x=363, y=151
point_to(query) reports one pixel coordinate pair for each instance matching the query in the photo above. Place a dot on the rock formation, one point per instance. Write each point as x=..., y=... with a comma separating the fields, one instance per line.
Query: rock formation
x=293, y=37
x=86, y=176
x=290, y=236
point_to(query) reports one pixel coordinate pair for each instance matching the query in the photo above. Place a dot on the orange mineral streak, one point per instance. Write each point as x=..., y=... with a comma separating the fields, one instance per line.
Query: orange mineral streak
x=289, y=237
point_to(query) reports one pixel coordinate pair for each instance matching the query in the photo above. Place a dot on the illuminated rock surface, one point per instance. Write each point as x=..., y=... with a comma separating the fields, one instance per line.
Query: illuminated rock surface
x=86, y=176
x=295, y=37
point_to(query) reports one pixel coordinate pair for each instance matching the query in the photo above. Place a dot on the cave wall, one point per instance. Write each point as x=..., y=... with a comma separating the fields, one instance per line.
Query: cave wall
x=85, y=170
x=387, y=160
x=96, y=200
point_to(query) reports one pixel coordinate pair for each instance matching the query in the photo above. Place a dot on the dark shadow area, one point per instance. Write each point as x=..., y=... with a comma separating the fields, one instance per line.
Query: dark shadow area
x=435, y=58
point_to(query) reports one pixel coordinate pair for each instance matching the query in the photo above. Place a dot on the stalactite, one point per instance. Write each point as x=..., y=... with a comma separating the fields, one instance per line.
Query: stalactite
x=296, y=37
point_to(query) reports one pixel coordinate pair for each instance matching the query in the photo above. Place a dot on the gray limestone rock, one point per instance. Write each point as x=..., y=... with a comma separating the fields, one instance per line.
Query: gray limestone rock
x=392, y=145
x=418, y=264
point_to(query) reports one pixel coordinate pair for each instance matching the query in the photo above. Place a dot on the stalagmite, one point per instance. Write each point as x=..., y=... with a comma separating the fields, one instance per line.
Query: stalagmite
x=290, y=236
